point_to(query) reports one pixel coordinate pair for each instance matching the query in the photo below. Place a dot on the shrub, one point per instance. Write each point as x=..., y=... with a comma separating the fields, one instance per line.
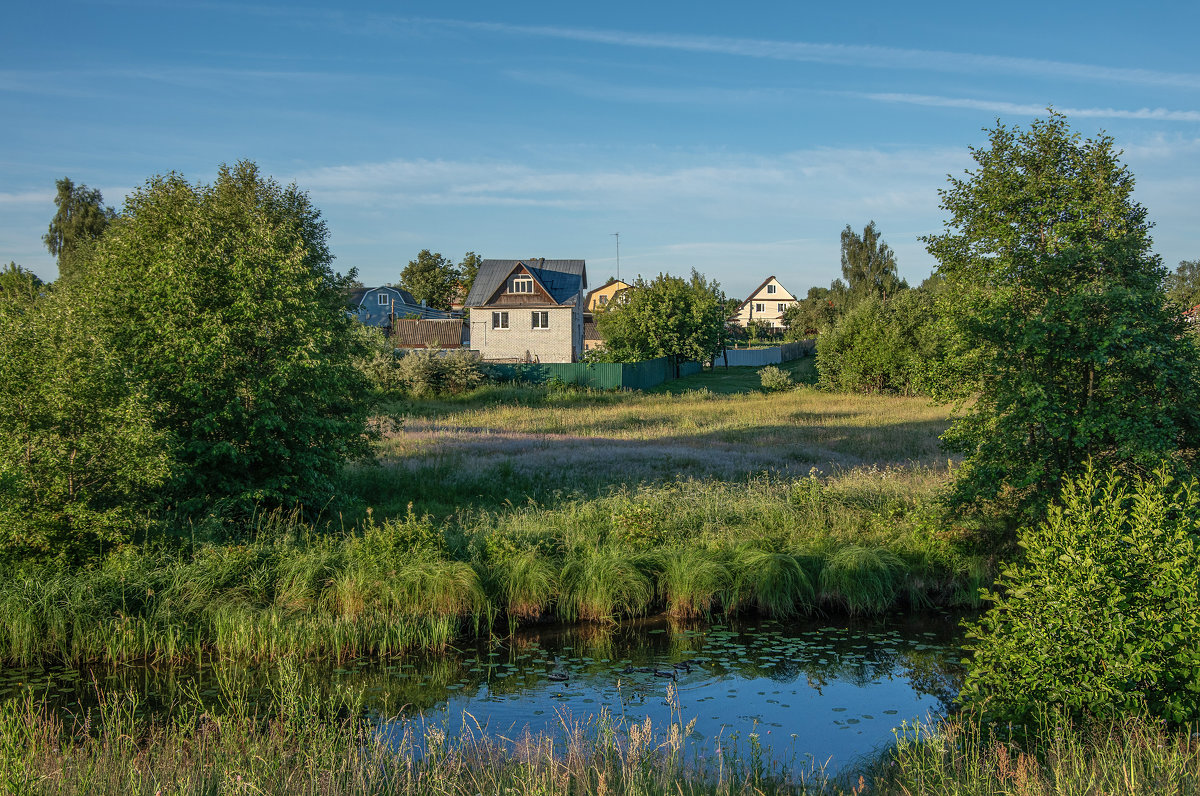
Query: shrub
x=431, y=372
x=1103, y=617
x=775, y=379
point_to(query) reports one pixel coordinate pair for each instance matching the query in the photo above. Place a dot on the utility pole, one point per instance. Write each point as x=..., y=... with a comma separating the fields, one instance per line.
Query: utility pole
x=617, y=235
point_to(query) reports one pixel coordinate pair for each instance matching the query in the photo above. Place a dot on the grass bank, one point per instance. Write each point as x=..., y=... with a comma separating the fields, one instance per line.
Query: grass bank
x=515, y=504
x=305, y=744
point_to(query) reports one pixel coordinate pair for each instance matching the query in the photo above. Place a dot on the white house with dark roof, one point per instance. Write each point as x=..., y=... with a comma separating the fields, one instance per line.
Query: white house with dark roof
x=528, y=310
x=766, y=303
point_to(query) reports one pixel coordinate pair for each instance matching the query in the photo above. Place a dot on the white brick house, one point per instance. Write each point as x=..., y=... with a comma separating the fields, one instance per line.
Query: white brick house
x=528, y=310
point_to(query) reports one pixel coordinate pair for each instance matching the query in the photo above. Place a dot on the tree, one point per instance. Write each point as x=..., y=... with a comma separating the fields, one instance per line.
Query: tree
x=1064, y=346
x=80, y=458
x=81, y=219
x=1183, y=286
x=679, y=318
x=17, y=281
x=1102, y=618
x=868, y=265
x=222, y=306
x=468, y=269
x=431, y=278
x=817, y=311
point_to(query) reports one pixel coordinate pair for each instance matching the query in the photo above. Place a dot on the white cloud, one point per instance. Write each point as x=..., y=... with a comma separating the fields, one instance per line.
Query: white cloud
x=1031, y=109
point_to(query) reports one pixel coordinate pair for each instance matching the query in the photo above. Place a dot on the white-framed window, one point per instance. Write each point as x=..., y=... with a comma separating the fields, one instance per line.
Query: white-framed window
x=383, y=299
x=770, y=289
x=782, y=307
x=759, y=308
x=541, y=320
x=499, y=320
x=521, y=284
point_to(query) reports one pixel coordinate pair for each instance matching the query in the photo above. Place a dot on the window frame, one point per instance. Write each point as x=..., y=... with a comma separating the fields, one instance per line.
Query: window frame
x=760, y=307
x=499, y=319
x=770, y=290
x=523, y=281
x=383, y=298
x=539, y=315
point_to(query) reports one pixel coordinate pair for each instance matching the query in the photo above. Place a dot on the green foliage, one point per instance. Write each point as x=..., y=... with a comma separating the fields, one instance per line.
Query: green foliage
x=426, y=372
x=869, y=266
x=773, y=582
x=1062, y=341
x=79, y=453
x=886, y=346
x=775, y=379
x=1102, y=618
x=1183, y=284
x=669, y=316
x=432, y=278
x=17, y=282
x=816, y=312
x=601, y=583
x=468, y=269
x=757, y=330
x=80, y=219
x=863, y=580
x=221, y=306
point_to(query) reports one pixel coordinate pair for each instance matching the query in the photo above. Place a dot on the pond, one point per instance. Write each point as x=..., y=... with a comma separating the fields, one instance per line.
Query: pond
x=820, y=691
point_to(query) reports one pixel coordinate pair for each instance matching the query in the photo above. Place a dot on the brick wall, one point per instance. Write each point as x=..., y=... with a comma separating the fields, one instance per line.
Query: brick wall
x=520, y=339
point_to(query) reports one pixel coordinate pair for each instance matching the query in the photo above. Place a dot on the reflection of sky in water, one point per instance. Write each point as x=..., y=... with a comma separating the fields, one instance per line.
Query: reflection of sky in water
x=828, y=693
x=807, y=688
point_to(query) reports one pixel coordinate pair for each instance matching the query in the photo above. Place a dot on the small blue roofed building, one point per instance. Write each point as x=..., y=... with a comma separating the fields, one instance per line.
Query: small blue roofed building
x=379, y=306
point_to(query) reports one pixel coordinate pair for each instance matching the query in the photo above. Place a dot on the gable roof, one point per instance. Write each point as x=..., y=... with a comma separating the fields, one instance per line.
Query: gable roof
x=562, y=279
x=754, y=293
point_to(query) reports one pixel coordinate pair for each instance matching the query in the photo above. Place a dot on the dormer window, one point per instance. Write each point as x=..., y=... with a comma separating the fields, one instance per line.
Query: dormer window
x=770, y=288
x=383, y=299
x=521, y=284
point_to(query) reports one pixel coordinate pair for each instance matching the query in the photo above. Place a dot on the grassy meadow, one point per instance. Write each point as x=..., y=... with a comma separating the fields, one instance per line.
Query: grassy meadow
x=521, y=504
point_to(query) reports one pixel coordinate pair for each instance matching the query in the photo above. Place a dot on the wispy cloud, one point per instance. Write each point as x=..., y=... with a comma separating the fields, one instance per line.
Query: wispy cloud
x=846, y=54
x=1030, y=109
x=651, y=95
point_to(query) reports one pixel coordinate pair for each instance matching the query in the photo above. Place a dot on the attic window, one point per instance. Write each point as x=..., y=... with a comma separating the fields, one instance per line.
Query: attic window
x=603, y=300
x=521, y=284
x=770, y=288
x=383, y=299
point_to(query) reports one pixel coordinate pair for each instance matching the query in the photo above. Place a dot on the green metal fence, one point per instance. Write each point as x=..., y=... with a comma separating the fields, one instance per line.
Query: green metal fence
x=601, y=375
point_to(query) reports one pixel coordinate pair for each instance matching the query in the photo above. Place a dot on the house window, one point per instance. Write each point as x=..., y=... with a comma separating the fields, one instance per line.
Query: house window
x=522, y=285
x=759, y=307
x=499, y=320
x=770, y=288
x=782, y=307
x=603, y=300
x=541, y=320
x=383, y=299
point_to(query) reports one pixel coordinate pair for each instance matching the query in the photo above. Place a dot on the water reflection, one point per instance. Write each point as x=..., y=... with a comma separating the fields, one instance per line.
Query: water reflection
x=806, y=688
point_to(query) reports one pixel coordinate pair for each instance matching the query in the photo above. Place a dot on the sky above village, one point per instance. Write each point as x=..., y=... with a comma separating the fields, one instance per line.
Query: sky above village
x=737, y=139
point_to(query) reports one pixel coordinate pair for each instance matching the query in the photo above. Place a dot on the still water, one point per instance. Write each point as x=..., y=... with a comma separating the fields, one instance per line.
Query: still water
x=820, y=691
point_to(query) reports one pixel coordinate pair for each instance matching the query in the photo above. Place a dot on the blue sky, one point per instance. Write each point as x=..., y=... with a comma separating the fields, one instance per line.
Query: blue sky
x=738, y=140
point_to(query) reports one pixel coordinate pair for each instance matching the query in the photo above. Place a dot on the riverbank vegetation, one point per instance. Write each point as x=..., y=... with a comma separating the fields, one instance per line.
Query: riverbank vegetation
x=303, y=744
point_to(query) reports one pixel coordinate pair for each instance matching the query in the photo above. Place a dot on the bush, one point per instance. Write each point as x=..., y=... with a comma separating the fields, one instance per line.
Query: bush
x=775, y=379
x=1103, y=617
x=431, y=372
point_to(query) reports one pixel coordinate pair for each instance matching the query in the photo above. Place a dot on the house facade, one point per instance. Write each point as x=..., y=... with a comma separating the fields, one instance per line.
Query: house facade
x=377, y=306
x=528, y=310
x=598, y=299
x=767, y=303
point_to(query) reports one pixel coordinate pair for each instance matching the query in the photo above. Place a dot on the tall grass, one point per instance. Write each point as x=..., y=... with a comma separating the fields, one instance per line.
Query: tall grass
x=861, y=579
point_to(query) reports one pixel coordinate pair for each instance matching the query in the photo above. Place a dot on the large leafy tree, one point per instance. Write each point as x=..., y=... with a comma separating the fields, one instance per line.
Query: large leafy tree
x=80, y=219
x=1065, y=347
x=80, y=457
x=468, y=269
x=431, y=278
x=221, y=302
x=1183, y=285
x=669, y=316
x=868, y=266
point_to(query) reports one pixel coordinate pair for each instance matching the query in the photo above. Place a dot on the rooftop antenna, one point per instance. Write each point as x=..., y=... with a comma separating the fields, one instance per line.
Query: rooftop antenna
x=617, y=235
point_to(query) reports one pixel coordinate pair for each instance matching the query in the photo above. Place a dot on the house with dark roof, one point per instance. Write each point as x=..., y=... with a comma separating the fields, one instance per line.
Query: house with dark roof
x=767, y=303
x=377, y=306
x=528, y=310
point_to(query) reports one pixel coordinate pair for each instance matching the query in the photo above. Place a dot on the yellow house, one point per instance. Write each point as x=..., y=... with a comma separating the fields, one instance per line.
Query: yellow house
x=598, y=299
x=767, y=303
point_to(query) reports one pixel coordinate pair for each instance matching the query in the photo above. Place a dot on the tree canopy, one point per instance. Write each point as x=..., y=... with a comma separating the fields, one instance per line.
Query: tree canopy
x=1063, y=343
x=1183, y=285
x=431, y=278
x=868, y=266
x=669, y=316
x=222, y=305
x=468, y=269
x=80, y=219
